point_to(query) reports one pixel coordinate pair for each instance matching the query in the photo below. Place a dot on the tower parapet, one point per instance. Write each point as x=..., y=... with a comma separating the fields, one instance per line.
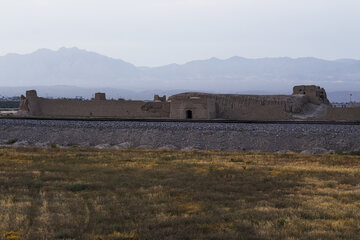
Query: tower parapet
x=100, y=96
x=31, y=94
x=157, y=98
x=30, y=104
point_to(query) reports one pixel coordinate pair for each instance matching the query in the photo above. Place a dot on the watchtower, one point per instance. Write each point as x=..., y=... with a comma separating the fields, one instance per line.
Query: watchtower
x=157, y=98
x=31, y=94
x=100, y=96
x=315, y=94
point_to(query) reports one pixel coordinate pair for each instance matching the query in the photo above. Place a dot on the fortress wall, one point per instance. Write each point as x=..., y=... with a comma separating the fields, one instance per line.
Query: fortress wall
x=342, y=114
x=248, y=107
x=32, y=105
x=99, y=108
x=307, y=102
x=241, y=107
x=252, y=112
x=316, y=94
x=201, y=108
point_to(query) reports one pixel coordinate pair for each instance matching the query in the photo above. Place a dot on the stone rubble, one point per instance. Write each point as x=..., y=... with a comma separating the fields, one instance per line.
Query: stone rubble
x=281, y=138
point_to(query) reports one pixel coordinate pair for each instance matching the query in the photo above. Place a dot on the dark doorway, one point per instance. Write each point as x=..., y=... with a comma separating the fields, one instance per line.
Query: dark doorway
x=188, y=114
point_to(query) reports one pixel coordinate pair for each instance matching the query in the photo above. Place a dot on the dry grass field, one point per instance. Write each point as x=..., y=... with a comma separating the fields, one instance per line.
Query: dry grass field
x=78, y=193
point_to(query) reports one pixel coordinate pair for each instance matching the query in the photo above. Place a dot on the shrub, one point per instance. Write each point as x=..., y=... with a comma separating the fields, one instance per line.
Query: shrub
x=38, y=184
x=77, y=187
x=63, y=235
x=237, y=160
x=168, y=158
x=12, y=141
x=212, y=167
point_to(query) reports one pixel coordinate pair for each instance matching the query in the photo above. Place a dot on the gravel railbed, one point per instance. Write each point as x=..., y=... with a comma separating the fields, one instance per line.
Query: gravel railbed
x=311, y=138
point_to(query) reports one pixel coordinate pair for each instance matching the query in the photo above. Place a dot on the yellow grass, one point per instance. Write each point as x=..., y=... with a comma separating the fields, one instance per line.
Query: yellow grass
x=79, y=193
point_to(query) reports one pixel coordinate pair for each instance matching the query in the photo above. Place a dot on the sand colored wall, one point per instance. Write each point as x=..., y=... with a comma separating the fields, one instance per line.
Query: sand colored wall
x=100, y=96
x=316, y=94
x=240, y=107
x=250, y=107
x=30, y=103
x=252, y=112
x=342, y=114
x=98, y=108
x=201, y=108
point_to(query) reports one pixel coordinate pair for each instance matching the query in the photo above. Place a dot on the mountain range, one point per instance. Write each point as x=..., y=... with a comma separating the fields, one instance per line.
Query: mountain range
x=73, y=69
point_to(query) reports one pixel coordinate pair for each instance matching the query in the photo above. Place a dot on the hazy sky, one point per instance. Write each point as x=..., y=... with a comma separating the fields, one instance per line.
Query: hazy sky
x=156, y=32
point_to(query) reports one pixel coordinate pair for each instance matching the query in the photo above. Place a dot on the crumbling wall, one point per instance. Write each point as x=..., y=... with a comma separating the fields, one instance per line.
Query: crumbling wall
x=342, y=114
x=30, y=103
x=95, y=108
x=157, y=98
x=108, y=108
x=200, y=108
x=252, y=107
x=100, y=96
x=315, y=94
x=242, y=107
x=192, y=105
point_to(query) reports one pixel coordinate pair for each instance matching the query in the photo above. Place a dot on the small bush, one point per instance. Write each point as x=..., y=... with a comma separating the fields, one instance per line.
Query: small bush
x=38, y=184
x=355, y=153
x=331, y=184
x=212, y=167
x=77, y=187
x=12, y=141
x=236, y=160
x=168, y=158
x=63, y=235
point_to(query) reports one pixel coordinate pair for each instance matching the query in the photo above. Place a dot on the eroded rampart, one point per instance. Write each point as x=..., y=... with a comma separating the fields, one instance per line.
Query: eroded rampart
x=306, y=103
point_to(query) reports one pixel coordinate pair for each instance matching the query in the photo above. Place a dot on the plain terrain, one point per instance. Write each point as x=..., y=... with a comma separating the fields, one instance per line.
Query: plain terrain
x=86, y=193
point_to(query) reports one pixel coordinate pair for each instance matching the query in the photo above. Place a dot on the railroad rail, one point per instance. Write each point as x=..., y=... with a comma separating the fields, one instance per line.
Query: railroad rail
x=323, y=122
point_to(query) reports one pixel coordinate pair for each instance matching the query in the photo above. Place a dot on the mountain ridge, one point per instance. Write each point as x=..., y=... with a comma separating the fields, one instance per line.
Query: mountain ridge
x=82, y=68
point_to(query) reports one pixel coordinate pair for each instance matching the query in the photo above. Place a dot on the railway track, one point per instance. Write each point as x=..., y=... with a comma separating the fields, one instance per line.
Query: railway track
x=322, y=122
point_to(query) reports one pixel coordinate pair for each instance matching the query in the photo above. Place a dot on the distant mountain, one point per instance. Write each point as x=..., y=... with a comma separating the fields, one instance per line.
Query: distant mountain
x=60, y=91
x=76, y=67
x=70, y=66
x=269, y=74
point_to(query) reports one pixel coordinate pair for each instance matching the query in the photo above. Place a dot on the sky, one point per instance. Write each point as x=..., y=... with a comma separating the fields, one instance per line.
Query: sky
x=159, y=32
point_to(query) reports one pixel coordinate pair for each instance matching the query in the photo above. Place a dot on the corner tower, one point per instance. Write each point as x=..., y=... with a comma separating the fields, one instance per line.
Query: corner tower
x=315, y=94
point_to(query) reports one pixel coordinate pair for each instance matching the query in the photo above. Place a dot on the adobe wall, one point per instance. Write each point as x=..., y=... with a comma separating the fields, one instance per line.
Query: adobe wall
x=201, y=108
x=95, y=108
x=251, y=107
x=316, y=94
x=240, y=107
x=342, y=114
x=300, y=105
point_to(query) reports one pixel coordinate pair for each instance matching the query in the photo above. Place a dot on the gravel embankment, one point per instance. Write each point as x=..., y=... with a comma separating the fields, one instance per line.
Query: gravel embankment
x=307, y=138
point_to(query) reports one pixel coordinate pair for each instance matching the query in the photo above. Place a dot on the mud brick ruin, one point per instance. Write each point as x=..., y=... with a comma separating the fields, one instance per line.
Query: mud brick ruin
x=306, y=103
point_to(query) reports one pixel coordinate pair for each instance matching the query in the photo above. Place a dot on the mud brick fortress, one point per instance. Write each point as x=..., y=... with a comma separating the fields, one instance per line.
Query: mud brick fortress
x=305, y=103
